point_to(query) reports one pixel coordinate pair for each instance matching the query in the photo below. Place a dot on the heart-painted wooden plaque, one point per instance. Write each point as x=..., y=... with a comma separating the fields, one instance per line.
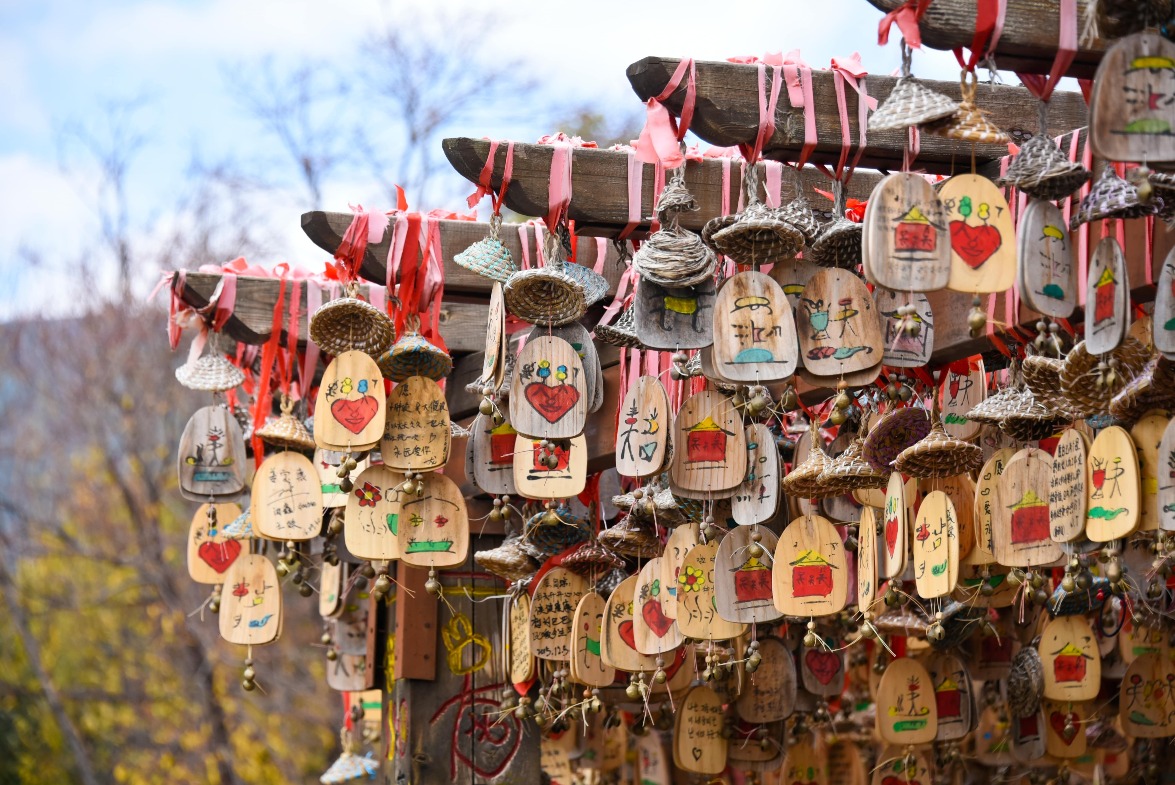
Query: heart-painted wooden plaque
x=699, y=746
x=1113, y=498
x=1147, y=435
x=250, y=602
x=756, y=500
x=1020, y=511
x=655, y=632
x=1048, y=274
x=552, y=613
x=810, y=573
x=548, y=397
x=643, y=428
x=581, y=341
x=822, y=671
x=839, y=325
x=1064, y=730
x=1131, y=115
x=710, y=454
x=907, y=711
x=936, y=546
x=895, y=536
x=769, y=695
x=1071, y=660
x=618, y=647
x=754, y=330
x=587, y=632
x=210, y=550
x=287, y=498
x=371, y=526
x=697, y=614
x=212, y=456
x=434, y=524
x=417, y=430
x=674, y=319
x=536, y=479
x=349, y=412
x=1067, y=487
x=962, y=391
x=983, y=247
x=907, y=239
x=742, y=576
x=1107, y=294
x=907, y=335
x=491, y=450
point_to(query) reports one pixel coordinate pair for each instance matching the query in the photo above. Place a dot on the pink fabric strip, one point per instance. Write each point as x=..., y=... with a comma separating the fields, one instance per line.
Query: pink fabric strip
x=849, y=69
x=224, y=300
x=395, y=251
x=559, y=192
x=378, y=296
x=1043, y=87
x=524, y=238
x=998, y=30
x=619, y=300
x=485, y=178
x=601, y=255
x=658, y=142
x=658, y=187
x=1083, y=245
x=310, y=358
x=773, y=183
x=799, y=93
x=1150, y=249
x=636, y=177
x=295, y=388
x=768, y=100
x=540, y=259
x=726, y=186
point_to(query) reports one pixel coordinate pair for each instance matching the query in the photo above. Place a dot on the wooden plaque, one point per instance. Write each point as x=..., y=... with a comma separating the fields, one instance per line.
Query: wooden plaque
x=492, y=455
x=907, y=712
x=552, y=613
x=906, y=235
x=326, y=463
x=555, y=750
x=1020, y=511
x=674, y=319
x=936, y=546
x=983, y=239
x=1071, y=660
x=680, y=542
x=535, y=480
x=710, y=453
x=895, y=536
x=960, y=394
x=846, y=763
x=756, y=500
x=1026, y=737
x=210, y=551
x=652, y=764
x=960, y=489
x=754, y=330
x=581, y=341
x=548, y=397
x=1145, y=702
x=769, y=694
x=742, y=580
x=349, y=410
x=493, y=363
x=654, y=632
x=952, y=695
x=417, y=430
x=642, y=430
x=287, y=498
x=1067, y=487
x=434, y=525
x=902, y=767
x=371, y=526
x=1147, y=435
x=867, y=559
x=822, y=671
x=1163, y=319
x=587, y=667
x=521, y=660
x=985, y=505
x=212, y=457
x=618, y=647
x=838, y=324
x=1113, y=502
x=1167, y=478
x=1064, y=730
x=330, y=589
x=810, y=573
x=793, y=275
x=699, y=747
x=697, y=614
x=1131, y=115
x=250, y=602
x=971, y=579
x=1107, y=295
x=902, y=350
x=806, y=762
x=1048, y=275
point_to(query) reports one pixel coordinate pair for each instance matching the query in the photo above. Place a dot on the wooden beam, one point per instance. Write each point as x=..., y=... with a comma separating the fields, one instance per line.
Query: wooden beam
x=599, y=196
x=416, y=626
x=1029, y=40
x=727, y=114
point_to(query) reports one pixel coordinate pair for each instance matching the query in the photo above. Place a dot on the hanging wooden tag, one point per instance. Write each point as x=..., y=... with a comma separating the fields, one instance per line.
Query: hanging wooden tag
x=748, y=754
x=960, y=489
x=904, y=348
x=1113, y=503
x=793, y=275
x=1166, y=491
x=1163, y=319
x=1108, y=297
x=330, y=589
x=210, y=551
x=642, y=430
x=1065, y=728
x=349, y=672
x=769, y=695
x=991, y=737
x=710, y=453
x=434, y=525
x=1147, y=435
x=1067, y=487
x=1048, y=276
x=756, y=499
x=212, y=457
x=1026, y=737
x=552, y=613
x=952, y=695
x=867, y=559
x=698, y=744
x=652, y=764
x=521, y=660
x=822, y=671
x=288, y=498
x=605, y=746
x=838, y=324
x=1144, y=698
x=326, y=463
x=680, y=542
x=674, y=319
x=1131, y=116
x=581, y=341
x=697, y=616
x=894, y=528
x=417, y=432
x=618, y=648
x=936, y=546
x=493, y=363
x=1020, y=511
x=349, y=410
x=250, y=602
x=902, y=767
x=810, y=574
x=548, y=397
x=985, y=505
x=492, y=448
x=555, y=750
x=654, y=632
x=961, y=393
x=983, y=248
x=587, y=667
x=754, y=330
x=1071, y=661
x=371, y=526
x=742, y=576
x=536, y=480
x=846, y=764
x=906, y=709
x=806, y=762
x=906, y=234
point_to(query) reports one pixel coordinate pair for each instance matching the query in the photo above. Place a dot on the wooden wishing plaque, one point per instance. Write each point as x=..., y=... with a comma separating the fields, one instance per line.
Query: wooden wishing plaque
x=697, y=614
x=349, y=410
x=1067, y=487
x=1020, y=511
x=972, y=577
x=672, y=319
x=1026, y=737
x=250, y=602
x=895, y=536
x=902, y=767
x=536, y=480
x=823, y=671
x=492, y=455
x=585, y=348
x=792, y=275
x=1147, y=435
x=680, y=542
x=846, y=763
x=1113, y=498
x=287, y=498
x=1166, y=491
x=652, y=764
x=699, y=746
x=210, y=551
x=330, y=589
x=493, y=364
x=618, y=646
x=1107, y=294
x=959, y=394
x=806, y=762
x=754, y=330
x=936, y=546
x=867, y=559
x=1064, y=729
x=1131, y=115
x=907, y=238
x=326, y=463
x=756, y=500
x=587, y=667
x=552, y=613
x=952, y=695
x=810, y=573
x=548, y=397
x=1145, y=702
x=654, y=632
x=769, y=695
x=903, y=349
x=742, y=580
x=212, y=455
x=1048, y=276
x=960, y=489
x=710, y=453
x=434, y=525
x=521, y=660
x=907, y=711
x=983, y=248
x=371, y=526
x=1071, y=660
x=838, y=325
x=642, y=430
x=1163, y=319
x=416, y=432
x=985, y=505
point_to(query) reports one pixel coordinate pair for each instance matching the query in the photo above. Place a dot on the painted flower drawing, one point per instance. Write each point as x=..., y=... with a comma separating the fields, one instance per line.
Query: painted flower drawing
x=368, y=495
x=691, y=579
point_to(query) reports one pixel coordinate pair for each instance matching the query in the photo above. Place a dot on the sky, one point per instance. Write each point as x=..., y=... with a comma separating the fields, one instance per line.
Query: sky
x=61, y=61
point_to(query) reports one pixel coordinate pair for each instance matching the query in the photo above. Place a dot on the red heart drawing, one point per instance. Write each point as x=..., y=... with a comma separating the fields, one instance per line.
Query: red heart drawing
x=974, y=244
x=1058, y=719
x=626, y=633
x=552, y=402
x=354, y=414
x=658, y=622
x=824, y=665
x=891, y=534
x=219, y=555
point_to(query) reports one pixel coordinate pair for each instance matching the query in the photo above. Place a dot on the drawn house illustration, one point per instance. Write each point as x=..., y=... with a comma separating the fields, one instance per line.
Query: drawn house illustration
x=502, y=444
x=752, y=581
x=1030, y=518
x=811, y=575
x=1104, y=291
x=948, y=699
x=914, y=232
x=706, y=442
x=1069, y=665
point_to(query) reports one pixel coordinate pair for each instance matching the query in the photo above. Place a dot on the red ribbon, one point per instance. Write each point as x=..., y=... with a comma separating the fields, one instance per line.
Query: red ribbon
x=485, y=180
x=906, y=17
x=1041, y=86
x=660, y=139
x=989, y=24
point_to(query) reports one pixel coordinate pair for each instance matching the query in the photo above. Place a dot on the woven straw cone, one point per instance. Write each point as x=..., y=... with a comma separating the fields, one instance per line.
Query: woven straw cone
x=757, y=235
x=665, y=509
x=508, y=561
x=849, y=471
x=674, y=258
x=893, y=433
x=542, y=540
x=1042, y=375
x=1113, y=197
x=967, y=124
x=799, y=214
x=631, y=538
x=1079, y=376
x=1025, y=682
x=621, y=333
x=1154, y=388
x=804, y=481
x=209, y=373
x=939, y=454
x=1040, y=169
x=287, y=431
x=595, y=286
x=910, y=103
x=901, y=620
x=994, y=408
x=839, y=245
x=592, y=558
x=488, y=257
x=349, y=323
x=413, y=355
x=546, y=296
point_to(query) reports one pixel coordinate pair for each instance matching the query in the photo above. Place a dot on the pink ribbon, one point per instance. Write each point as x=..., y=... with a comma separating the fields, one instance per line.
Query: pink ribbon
x=659, y=140
x=773, y=183
x=485, y=179
x=636, y=176
x=768, y=100
x=1043, y=87
x=906, y=17
x=850, y=70
x=559, y=190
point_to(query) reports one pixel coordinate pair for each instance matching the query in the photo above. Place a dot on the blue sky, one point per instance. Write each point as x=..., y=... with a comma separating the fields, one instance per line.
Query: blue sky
x=62, y=60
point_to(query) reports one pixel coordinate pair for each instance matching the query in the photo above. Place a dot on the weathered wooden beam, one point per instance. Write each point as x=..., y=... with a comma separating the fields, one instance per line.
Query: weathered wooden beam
x=1029, y=39
x=599, y=196
x=326, y=229
x=416, y=626
x=727, y=113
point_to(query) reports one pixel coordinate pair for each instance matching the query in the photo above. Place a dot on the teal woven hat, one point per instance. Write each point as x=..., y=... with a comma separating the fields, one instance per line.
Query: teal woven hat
x=414, y=355
x=489, y=257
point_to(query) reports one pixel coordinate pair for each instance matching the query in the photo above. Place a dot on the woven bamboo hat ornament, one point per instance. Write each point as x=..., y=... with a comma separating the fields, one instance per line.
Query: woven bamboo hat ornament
x=631, y=538
x=1110, y=19
x=489, y=257
x=910, y=103
x=1041, y=170
x=348, y=323
x=938, y=454
x=210, y=372
x=1090, y=382
x=758, y=235
x=968, y=123
x=1113, y=197
x=1154, y=388
x=849, y=471
x=839, y=243
x=546, y=295
x=592, y=558
x=287, y=431
x=622, y=332
x=799, y=214
x=674, y=257
x=1042, y=375
x=545, y=536
x=1026, y=419
x=957, y=622
x=414, y=355
x=655, y=504
x=508, y=561
x=895, y=431
x=805, y=481
x=1025, y=682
